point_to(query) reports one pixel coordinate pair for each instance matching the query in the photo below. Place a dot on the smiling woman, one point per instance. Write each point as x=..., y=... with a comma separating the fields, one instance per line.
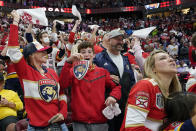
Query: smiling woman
x=40, y=84
x=36, y=54
x=145, y=108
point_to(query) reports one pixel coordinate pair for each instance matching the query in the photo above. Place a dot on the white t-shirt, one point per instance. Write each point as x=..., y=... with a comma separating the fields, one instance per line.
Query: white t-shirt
x=118, y=61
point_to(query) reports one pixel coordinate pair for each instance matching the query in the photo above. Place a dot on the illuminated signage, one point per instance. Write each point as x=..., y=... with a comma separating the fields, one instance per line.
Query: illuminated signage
x=63, y=10
x=104, y=10
x=88, y=11
x=178, y=2
x=129, y=8
x=152, y=6
x=165, y=4
x=1, y=3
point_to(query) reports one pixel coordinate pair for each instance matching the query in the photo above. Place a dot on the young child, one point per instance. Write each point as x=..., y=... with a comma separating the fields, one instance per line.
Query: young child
x=88, y=94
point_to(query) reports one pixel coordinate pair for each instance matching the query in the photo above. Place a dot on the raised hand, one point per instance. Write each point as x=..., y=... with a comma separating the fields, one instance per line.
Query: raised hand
x=16, y=17
x=78, y=22
x=75, y=57
x=110, y=101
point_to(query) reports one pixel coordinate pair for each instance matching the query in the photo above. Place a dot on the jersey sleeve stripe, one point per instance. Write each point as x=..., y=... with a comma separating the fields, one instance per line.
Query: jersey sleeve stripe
x=135, y=117
x=136, y=107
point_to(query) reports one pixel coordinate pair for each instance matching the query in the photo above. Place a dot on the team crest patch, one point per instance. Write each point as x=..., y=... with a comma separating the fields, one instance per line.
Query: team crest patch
x=159, y=101
x=142, y=101
x=80, y=69
x=47, y=89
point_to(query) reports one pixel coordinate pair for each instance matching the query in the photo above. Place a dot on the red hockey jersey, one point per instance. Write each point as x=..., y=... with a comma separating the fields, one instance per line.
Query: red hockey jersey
x=145, y=107
x=41, y=97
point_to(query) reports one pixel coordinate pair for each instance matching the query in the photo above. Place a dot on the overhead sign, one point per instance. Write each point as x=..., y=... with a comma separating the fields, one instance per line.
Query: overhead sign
x=63, y=10
x=152, y=6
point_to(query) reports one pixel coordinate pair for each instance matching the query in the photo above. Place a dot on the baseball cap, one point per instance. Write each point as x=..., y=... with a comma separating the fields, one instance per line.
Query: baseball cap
x=35, y=47
x=115, y=33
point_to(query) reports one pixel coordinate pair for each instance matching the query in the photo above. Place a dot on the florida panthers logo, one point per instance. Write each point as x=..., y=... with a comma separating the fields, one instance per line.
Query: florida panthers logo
x=47, y=89
x=80, y=69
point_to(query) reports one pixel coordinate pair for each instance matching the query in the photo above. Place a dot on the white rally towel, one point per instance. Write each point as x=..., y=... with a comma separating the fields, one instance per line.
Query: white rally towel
x=76, y=13
x=93, y=26
x=60, y=22
x=143, y=33
x=112, y=110
x=35, y=16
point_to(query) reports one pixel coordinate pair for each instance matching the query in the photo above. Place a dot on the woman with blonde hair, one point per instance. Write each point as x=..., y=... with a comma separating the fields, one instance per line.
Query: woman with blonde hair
x=145, y=107
x=150, y=71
